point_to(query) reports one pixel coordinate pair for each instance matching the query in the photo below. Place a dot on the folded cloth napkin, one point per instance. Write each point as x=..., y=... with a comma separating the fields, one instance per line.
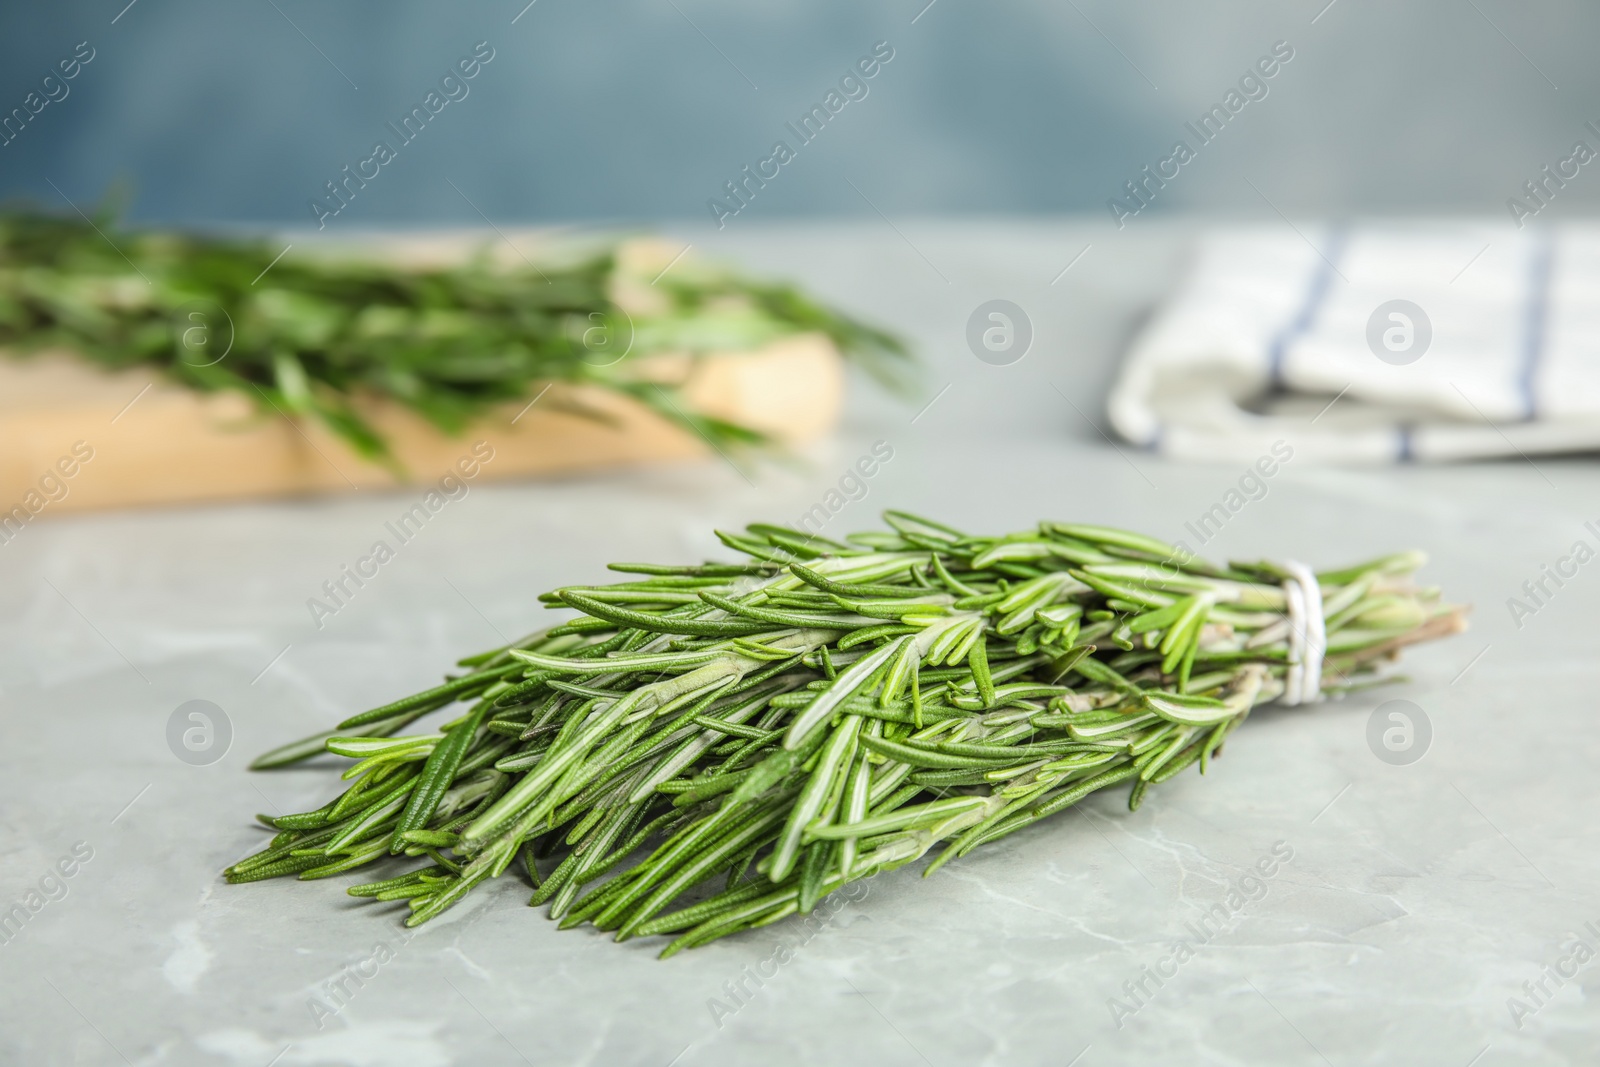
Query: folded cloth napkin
x=1373, y=344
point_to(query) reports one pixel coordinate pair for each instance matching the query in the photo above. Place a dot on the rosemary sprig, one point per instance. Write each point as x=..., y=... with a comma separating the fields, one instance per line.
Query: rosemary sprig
x=312, y=335
x=821, y=714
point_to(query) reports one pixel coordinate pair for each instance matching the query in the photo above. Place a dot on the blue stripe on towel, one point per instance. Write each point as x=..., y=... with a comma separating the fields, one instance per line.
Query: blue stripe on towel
x=1535, y=320
x=1316, y=293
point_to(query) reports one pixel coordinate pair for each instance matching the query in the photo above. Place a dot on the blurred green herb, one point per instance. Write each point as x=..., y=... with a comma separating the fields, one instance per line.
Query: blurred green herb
x=311, y=334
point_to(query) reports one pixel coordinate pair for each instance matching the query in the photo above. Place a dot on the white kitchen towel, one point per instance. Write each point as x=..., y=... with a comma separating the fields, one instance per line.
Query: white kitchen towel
x=1373, y=344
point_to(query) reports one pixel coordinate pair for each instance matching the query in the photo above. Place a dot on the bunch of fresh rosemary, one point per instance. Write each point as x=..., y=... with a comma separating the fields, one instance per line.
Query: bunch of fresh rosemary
x=312, y=334
x=819, y=714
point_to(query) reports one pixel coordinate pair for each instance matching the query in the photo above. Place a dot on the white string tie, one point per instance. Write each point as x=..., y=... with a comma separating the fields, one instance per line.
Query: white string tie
x=1308, y=635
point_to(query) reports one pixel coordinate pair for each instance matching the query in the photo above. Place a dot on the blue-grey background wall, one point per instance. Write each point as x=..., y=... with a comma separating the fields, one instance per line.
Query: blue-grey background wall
x=624, y=111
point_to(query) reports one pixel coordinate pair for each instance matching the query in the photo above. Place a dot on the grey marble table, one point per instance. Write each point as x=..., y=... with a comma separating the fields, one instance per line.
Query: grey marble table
x=1418, y=905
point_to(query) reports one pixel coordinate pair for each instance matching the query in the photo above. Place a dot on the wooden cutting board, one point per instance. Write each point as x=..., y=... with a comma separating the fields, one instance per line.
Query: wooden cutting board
x=73, y=437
